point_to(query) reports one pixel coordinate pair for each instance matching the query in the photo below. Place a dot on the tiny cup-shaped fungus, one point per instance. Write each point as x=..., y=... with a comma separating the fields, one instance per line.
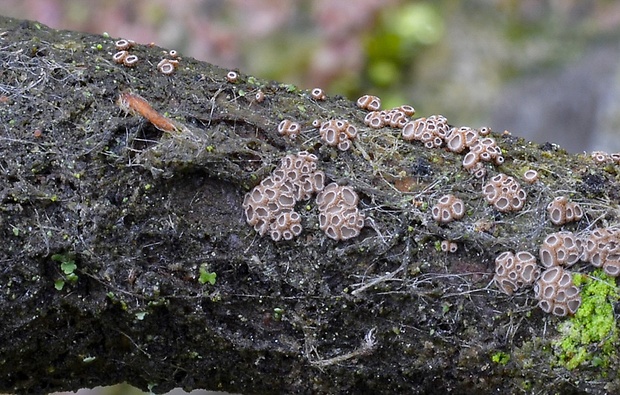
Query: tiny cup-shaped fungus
x=602, y=249
x=448, y=208
x=318, y=94
x=339, y=216
x=530, y=176
x=120, y=56
x=232, y=76
x=370, y=103
x=289, y=128
x=374, y=120
x=514, y=271
x=431, y=131
x=505, y=193
x=562, y=211
x=338, y=133
x=556, y=292
x=449, y=246
x=269, y=206
x=130, y=60
x=560, y=249
x=123, y=44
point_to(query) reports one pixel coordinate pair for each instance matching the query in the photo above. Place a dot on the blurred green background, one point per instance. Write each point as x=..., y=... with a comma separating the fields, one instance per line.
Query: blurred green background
x=546, y=70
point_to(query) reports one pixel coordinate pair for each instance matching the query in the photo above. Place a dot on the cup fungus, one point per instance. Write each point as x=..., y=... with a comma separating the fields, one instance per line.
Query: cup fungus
x=530, y=176
x=289, y=129
x=514, y=271
x=560, y=249
x=369, y=102
x=120, y=56
x=232, y=76
x=448, y=209
x=269, y=207
x=449, y=246
x=602, y=249
x=431, y=131
x=505, y=193
x=556, y=292
x=123, y=44
x=562, y=211
x=338, y=133
x=374, y=119
x=601, y=157
x=318, y=94
x=339, y=216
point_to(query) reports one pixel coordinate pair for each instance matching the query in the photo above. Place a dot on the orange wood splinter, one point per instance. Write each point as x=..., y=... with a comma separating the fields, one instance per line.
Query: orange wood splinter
x=136, y=105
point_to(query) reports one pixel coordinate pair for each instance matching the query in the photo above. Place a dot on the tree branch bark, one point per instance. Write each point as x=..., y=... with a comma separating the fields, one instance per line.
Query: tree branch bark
x=113, y=230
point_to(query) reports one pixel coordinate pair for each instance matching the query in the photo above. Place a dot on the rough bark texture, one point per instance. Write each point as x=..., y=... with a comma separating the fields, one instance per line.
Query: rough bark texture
x=108, y=223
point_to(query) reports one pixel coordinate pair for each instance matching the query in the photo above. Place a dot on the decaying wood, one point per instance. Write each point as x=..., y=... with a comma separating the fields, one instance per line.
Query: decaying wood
x=114, y=230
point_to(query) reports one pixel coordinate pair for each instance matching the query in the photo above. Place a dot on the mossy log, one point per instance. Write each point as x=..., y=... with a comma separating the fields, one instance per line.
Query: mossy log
x=126, y=257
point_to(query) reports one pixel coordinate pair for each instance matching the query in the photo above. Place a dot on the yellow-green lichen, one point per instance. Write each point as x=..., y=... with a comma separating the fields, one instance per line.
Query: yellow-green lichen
x=591, y=335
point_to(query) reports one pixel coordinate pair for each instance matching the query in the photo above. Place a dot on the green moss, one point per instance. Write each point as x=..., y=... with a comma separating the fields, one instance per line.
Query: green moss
x=500, y=357
x=590, y=336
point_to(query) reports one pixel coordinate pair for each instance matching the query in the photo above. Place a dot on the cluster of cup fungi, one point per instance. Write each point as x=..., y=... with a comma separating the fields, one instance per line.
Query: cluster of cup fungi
x=166, y=66
x=548, y=274
x=270, y=206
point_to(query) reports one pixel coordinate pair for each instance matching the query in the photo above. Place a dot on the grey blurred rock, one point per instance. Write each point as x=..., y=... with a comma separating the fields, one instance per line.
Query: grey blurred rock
x=576, y=105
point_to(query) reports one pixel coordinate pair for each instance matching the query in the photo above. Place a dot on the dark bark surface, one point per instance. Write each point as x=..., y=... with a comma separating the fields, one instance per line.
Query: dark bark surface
x=108, y=224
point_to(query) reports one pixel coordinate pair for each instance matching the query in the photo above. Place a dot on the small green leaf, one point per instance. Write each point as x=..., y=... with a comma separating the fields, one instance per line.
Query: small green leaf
x=59, y=285
x=206, y=277
x=72, y=277
x=67, y=267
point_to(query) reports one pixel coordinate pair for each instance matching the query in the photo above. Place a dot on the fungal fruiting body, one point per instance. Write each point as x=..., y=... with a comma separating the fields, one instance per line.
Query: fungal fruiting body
x=123, y=56
x=556, y=292
x=530, y=176
x=562, y=211
x=130, y=60
x=602, y=249
x=514, y=271
x=369, y=102
x=339, y=216
x=431, y=131
x=318, y=94
x=338, y=133
x=123, y=44
x=167, y=66
x=289, y=129
x=505, y=193
x=136, y=105
x=374, y=119
x=601, y=157
x=120, y=56
x=448, y=208
x=269, y=207
x=449, y=246
x=560, y=249
x=232, y=77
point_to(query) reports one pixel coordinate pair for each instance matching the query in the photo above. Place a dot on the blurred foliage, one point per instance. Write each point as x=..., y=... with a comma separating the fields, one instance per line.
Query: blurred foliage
x=393, y=46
